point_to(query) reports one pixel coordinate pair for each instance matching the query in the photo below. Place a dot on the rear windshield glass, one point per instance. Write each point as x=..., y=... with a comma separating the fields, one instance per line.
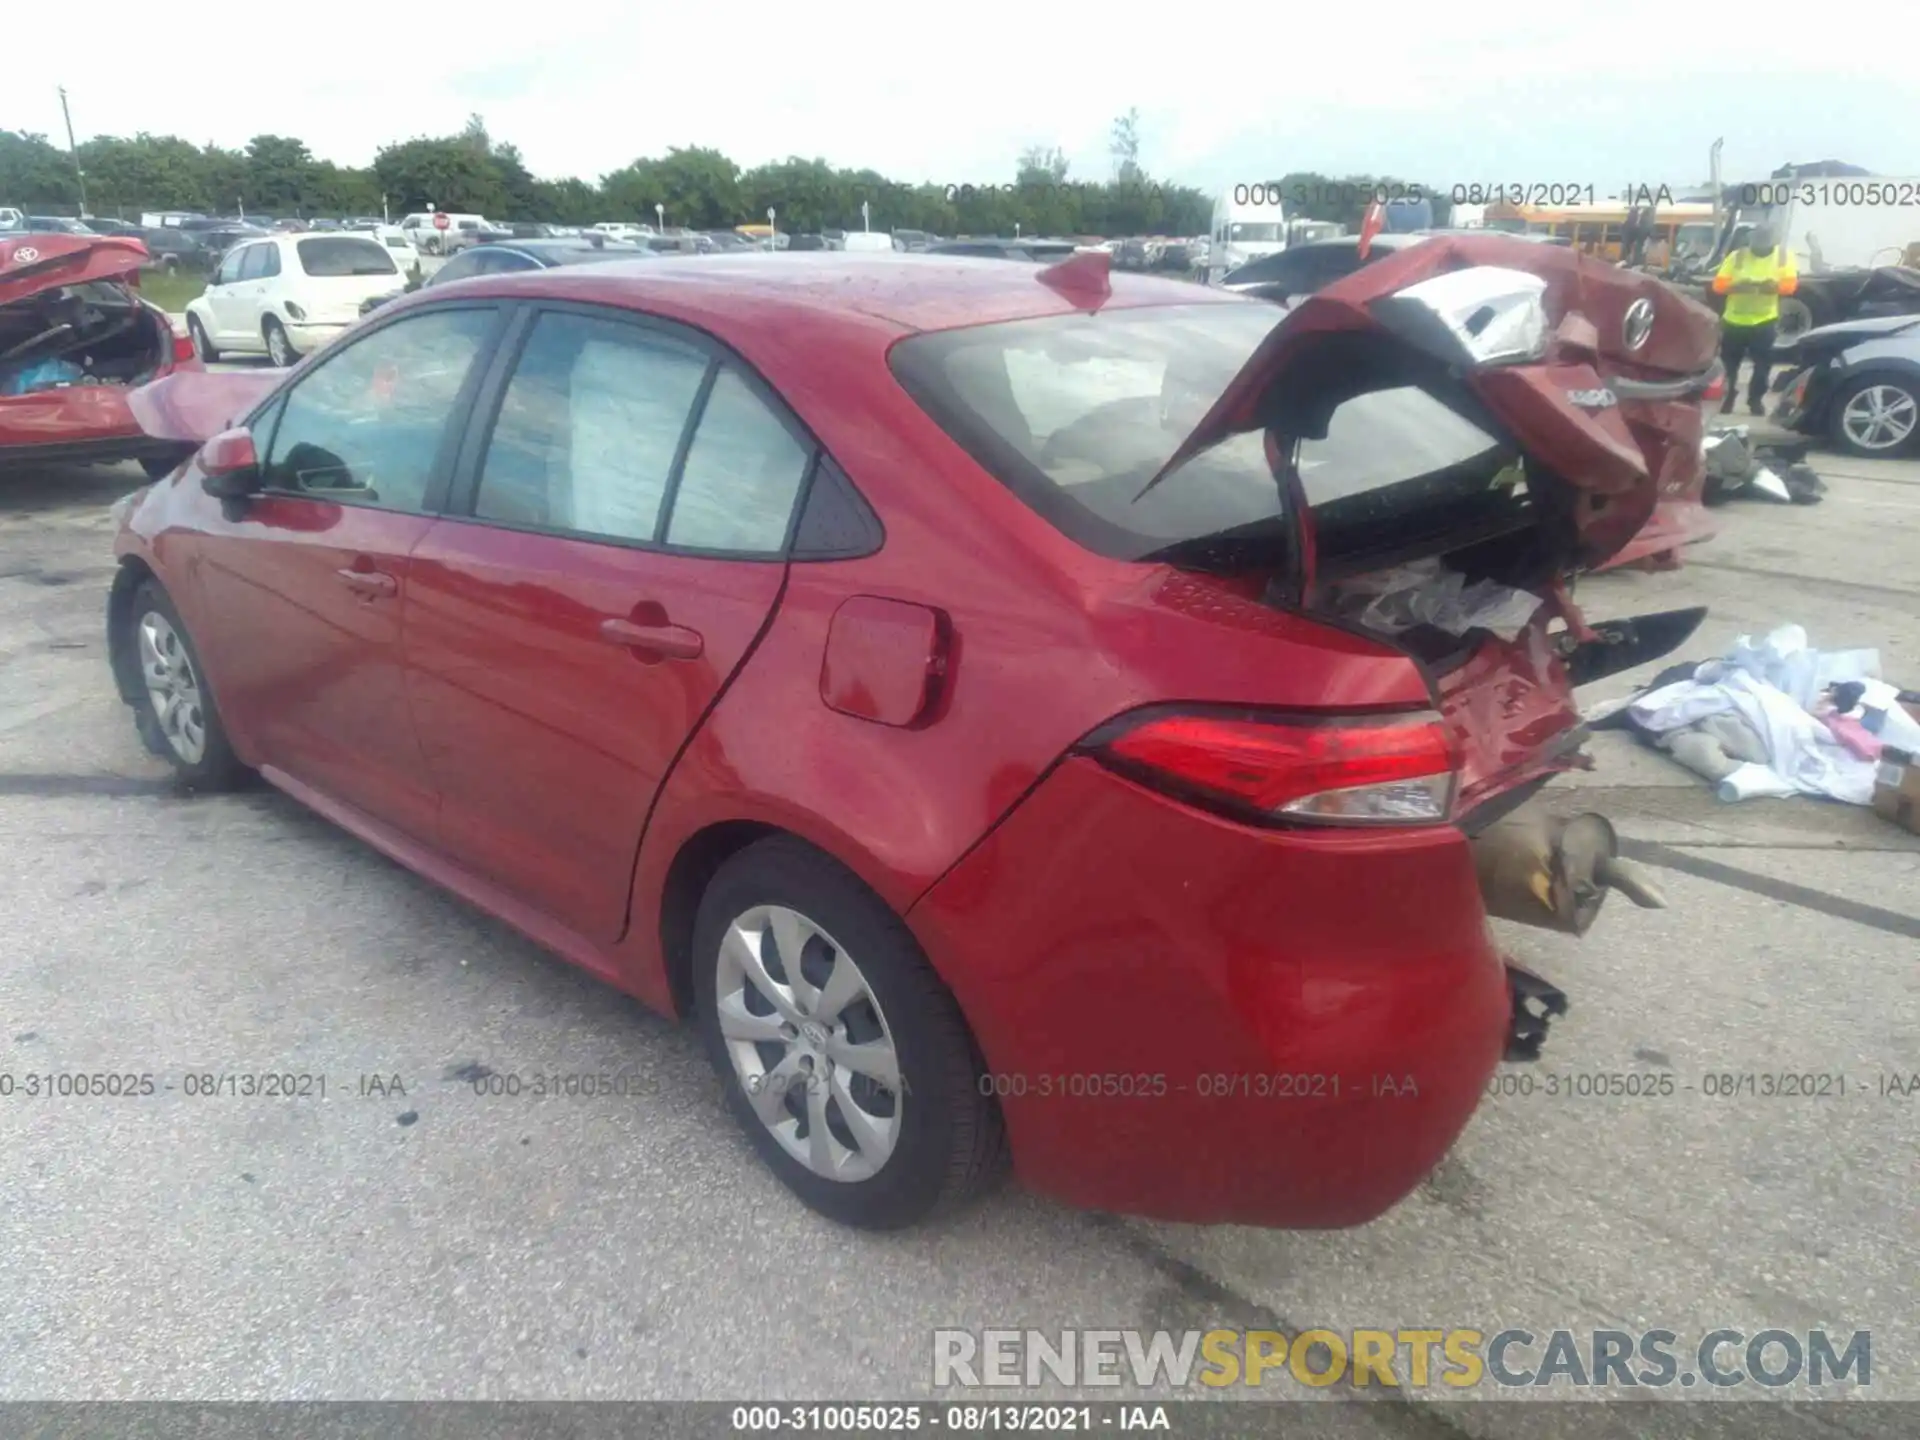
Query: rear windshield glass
x=335, y=255
x=1077, y=413
x=1404, y=474
x=1254, y=232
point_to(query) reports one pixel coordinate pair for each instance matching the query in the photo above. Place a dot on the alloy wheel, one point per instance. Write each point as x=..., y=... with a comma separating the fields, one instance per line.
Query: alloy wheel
x=809, y=1044
x=173, y=688
x=279, y=349
x=1880, y=417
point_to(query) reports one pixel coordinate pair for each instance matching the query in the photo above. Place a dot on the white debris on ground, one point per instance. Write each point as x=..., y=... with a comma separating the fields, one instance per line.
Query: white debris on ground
x=1764, y=719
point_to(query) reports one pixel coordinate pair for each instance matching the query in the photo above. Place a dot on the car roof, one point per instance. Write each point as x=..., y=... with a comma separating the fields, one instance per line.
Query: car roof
x=889, y=291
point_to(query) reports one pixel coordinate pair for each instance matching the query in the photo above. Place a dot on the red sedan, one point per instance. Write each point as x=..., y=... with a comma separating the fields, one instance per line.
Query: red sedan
x=974, y=693
x=75, y=337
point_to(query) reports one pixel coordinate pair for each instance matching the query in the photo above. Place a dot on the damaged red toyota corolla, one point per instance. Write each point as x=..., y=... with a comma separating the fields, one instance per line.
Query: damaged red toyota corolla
x=74, y=337
x=1006, y=708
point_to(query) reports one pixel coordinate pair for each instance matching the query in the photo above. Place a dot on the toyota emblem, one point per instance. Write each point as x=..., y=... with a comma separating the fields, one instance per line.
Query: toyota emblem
x=25, y=255
x=1638, y=325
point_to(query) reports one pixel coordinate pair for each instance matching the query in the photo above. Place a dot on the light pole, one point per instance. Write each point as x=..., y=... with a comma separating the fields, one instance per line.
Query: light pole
x=660, y=218
x=866, y=218
x=74, y=150
x=773, y=230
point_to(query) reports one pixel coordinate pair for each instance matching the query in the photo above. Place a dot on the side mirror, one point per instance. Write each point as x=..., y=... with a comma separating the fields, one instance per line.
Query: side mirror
x=229, y=466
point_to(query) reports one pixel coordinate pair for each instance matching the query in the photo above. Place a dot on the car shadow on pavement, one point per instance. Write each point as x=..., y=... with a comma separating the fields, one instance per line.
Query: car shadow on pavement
x=59, y=487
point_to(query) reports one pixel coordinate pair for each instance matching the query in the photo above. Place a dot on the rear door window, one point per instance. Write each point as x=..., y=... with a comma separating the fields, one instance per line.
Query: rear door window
x=742, y=474
x=590, y=428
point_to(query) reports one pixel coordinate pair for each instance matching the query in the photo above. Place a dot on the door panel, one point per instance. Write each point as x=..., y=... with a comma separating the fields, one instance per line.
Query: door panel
x=546, y=733
x=305, y=586
x=309, y=659
x=559, y=652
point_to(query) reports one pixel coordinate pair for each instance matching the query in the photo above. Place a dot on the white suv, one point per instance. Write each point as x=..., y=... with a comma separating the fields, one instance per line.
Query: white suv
x=287, y=295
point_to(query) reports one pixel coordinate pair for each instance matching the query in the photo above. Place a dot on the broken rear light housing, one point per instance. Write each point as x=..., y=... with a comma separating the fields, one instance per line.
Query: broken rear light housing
x=1289, y=769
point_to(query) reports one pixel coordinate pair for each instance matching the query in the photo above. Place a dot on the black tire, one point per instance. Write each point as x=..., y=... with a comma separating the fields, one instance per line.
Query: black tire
x=216, y=768
x=951, y=1145
x=1837, y=416
x=169, y=264
x=271, y=327
x=158, y=467
x=202, y=346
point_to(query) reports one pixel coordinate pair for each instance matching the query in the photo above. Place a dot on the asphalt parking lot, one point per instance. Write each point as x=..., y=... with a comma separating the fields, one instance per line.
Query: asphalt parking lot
x=407, y=1238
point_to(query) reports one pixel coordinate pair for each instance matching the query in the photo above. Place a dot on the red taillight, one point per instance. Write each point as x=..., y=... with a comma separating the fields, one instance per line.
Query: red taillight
x=1396, y=770
x=182, y=348
x=1717, y=389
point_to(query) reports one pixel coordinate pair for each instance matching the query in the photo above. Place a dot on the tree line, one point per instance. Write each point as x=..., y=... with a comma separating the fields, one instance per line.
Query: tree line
x=694, y=187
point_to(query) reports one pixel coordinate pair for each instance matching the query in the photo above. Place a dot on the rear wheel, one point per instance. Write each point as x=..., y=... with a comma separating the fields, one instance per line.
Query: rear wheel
x=202, y=346
x=1877, y=415
x=178, y=720
x=844, y=1058
x=279, y=348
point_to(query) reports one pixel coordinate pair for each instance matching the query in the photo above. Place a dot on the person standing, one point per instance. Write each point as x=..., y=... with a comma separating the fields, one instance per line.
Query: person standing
x=1752, y=278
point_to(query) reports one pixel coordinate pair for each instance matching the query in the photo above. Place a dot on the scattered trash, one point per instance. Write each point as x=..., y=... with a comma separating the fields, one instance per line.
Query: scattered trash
x=1428, y=593
x=1896, y=791
x=1776, y=718
x=1737, y=466
x=34, y=376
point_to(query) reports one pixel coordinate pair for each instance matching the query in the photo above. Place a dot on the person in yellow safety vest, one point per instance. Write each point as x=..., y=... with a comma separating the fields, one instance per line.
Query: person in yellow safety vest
x=1752, y=278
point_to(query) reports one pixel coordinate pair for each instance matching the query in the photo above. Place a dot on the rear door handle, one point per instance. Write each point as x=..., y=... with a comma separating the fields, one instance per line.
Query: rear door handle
x=369, y=582
x=675, y=642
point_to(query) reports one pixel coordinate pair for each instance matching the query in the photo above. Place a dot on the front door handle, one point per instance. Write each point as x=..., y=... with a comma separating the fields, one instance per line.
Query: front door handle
x=674, y=642
x=369, y=582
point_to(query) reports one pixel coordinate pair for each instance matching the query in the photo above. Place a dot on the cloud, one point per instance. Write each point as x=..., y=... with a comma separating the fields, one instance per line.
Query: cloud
x=1500, y=87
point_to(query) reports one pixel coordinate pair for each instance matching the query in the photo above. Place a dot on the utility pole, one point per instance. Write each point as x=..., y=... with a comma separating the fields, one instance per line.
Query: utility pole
x=74, y=150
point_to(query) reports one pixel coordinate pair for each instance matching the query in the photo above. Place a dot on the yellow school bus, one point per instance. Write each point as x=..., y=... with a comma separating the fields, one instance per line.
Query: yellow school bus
x=1599, y=229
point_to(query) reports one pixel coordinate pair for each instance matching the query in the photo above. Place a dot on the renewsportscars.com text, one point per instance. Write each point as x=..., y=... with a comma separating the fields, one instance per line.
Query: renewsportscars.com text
x=1402, y=1359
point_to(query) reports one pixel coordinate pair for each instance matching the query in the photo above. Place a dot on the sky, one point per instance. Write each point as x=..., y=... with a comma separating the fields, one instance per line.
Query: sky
x=1497, y=91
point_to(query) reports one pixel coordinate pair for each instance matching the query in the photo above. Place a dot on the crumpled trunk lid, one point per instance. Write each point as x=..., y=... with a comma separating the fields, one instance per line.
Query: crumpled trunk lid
x=1583, y=378
x=194, y=405
x=31, y=264
x=1606, y=414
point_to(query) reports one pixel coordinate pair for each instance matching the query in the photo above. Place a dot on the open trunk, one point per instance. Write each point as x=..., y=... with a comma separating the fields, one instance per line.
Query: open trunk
x=69, y=316
x=1459, y=431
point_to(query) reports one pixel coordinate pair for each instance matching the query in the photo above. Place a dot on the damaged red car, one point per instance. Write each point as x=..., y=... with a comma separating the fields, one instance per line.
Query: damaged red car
x=75, y=338
x=1014, y=712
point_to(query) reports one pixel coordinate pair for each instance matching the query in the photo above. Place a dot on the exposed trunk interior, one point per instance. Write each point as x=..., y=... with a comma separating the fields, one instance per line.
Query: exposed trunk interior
x=97, y=333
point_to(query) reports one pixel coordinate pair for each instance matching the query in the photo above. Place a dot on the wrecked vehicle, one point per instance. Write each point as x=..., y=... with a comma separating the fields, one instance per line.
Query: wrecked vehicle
x=1019, y=724
x=1856, y=385
x=75, y=339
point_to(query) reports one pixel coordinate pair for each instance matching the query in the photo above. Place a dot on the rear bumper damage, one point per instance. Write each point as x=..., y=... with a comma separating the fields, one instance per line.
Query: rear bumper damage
x=1552, y=872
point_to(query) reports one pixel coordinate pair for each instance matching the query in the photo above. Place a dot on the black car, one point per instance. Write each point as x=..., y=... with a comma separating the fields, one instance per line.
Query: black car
x=502, y=257
x=1857, y=384
x=1315, y=264
x=806, y=242
x=175, y=249
x=101, y=226
x=54, y=225
x=1033, y=251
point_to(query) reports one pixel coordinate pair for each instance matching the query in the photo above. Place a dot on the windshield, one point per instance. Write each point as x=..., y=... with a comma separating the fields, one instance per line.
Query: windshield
x=1259, y=232
x=1076, y=413
x=338, y=255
